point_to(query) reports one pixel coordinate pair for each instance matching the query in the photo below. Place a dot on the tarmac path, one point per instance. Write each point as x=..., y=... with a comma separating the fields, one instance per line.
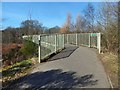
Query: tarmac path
x=74, y=67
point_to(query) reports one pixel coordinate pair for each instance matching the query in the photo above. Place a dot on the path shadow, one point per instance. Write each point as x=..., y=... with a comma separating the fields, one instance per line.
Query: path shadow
x=69, y=49
x=52, y=79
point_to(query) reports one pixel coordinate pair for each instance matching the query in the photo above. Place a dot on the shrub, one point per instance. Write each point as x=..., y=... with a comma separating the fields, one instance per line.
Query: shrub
x=29, y=48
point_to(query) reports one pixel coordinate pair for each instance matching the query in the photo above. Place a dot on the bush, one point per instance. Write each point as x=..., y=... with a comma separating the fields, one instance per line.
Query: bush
x=29, y=48
x=11, y=54
x=110, y=40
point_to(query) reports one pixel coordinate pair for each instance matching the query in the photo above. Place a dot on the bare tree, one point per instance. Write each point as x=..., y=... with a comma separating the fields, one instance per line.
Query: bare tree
x=68, y=22
x=78, y=24
x=89, y=16
x=108, y=19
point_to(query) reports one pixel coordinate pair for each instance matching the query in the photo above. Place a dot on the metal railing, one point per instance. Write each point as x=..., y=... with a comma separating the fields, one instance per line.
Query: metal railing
x=84, y=39
x=49, y=44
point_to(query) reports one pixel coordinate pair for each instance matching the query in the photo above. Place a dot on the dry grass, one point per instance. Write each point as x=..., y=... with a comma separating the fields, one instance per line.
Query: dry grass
x=17, y=70
x=110, y=62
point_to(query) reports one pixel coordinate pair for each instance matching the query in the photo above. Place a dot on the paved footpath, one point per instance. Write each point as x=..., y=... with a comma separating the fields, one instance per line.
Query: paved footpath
x=73, y=67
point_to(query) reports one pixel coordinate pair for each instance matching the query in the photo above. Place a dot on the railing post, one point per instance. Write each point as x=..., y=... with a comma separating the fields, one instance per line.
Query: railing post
x=99, y=42
x=67, y=38
x=46, y=40
x=55, y=42
x=33, y=38
x=89, y=39
x=39, y=48
x=76, y=39
x=82, y=38
x=63, y=40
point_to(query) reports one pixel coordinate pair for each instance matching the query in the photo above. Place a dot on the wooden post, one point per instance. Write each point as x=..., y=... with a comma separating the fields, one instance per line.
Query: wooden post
x=39, y=48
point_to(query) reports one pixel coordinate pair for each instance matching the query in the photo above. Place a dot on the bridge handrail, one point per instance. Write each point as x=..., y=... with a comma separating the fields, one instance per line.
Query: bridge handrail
x=56, y=40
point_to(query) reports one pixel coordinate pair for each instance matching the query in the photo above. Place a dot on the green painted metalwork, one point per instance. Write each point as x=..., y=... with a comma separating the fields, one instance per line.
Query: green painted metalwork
x=93, y=34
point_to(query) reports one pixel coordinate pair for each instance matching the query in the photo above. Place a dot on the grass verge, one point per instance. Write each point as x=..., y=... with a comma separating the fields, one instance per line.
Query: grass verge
x=17, y=70
x=110, y=62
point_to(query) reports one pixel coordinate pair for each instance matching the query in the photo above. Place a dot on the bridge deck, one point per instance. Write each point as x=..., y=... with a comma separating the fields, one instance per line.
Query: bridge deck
x=73, y=67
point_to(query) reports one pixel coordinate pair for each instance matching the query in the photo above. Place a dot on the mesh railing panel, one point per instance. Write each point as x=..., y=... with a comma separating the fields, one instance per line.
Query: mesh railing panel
x=71, y=38
x=84, y=39
x=93, y=38
x=35, y=39
x=54, y=42
x=60, y=41
x=49, y=43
